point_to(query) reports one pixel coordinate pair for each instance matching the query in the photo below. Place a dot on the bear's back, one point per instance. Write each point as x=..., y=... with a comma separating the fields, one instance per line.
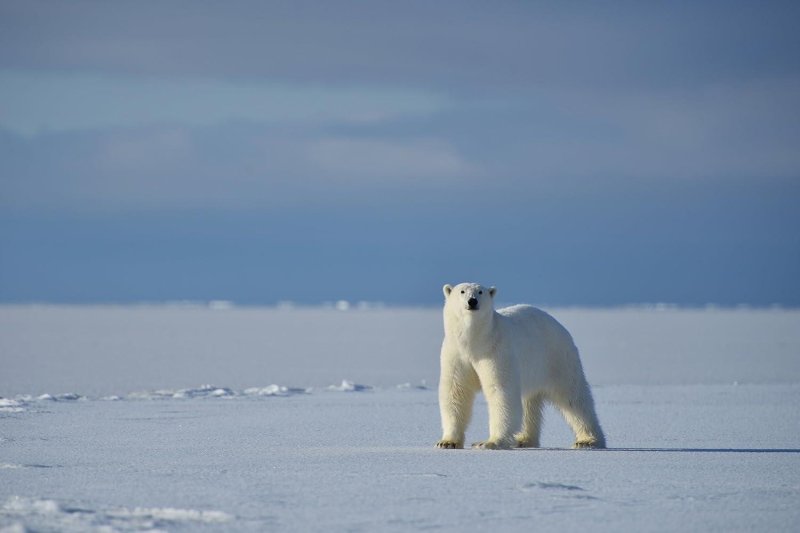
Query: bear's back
x=523, y=311
x=530, y=325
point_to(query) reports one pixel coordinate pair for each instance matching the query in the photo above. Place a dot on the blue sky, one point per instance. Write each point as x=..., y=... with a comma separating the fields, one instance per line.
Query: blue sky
x=569, y=153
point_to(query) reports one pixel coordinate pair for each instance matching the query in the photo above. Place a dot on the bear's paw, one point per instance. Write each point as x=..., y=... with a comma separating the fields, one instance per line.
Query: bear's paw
x=449, y=444
x=590, y=444
x=491, y=445
x=523, y=442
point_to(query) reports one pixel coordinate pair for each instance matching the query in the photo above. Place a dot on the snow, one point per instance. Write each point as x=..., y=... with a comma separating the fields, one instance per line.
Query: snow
x=325, y=420
x=51, y=514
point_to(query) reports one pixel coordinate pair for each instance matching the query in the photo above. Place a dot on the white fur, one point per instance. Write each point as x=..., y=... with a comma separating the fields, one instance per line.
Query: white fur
x=519, y=357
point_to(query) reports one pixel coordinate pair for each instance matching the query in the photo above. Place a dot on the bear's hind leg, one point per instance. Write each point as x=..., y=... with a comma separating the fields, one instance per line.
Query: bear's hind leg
x=531, y=422
x=578, y=410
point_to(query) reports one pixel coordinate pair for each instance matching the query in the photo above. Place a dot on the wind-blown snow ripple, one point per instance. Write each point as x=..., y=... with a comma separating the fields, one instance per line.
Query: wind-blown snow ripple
x=48, y=514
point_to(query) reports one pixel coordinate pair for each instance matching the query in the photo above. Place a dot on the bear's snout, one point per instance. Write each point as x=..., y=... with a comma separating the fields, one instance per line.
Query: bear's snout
x=472, y=303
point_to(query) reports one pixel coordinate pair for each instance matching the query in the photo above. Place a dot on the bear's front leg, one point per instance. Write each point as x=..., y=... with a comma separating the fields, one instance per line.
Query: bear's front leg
x=458, y=385
x=500, y=385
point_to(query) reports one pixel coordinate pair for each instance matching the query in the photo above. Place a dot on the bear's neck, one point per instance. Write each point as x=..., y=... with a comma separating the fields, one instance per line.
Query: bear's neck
x=471, y=329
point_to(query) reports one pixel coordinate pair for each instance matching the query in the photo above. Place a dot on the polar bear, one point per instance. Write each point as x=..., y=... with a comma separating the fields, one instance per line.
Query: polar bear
x=520, y=357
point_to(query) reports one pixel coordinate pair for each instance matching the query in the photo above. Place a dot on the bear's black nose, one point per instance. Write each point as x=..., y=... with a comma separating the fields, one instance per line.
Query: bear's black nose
x=472, y=303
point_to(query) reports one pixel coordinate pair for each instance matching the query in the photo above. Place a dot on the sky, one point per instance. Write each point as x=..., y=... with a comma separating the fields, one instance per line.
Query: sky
x=570, y=153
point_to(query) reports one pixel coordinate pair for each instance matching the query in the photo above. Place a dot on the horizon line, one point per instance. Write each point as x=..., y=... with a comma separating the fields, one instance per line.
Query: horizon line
x=343, y=305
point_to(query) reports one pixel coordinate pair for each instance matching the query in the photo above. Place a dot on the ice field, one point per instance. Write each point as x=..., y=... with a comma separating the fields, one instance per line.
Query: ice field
x=106, y=424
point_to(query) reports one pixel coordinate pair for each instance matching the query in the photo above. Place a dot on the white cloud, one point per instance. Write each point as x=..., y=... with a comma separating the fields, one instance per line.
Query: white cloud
x=161, y=149
x=37, y=101
x=377, y=160
x=216, y=168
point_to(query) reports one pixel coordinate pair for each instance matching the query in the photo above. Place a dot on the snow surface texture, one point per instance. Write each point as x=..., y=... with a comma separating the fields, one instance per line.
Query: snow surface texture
x=103, y=426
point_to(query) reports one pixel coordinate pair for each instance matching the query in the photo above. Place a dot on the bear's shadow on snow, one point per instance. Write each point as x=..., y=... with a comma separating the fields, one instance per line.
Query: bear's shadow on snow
x=710, y=450
x=679, y=450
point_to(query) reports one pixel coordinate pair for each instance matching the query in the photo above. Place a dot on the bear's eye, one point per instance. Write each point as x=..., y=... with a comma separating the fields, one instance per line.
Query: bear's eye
x=462, y=292
x=480, y=292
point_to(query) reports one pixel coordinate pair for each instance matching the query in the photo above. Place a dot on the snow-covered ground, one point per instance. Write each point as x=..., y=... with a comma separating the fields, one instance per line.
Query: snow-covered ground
x=105, y=424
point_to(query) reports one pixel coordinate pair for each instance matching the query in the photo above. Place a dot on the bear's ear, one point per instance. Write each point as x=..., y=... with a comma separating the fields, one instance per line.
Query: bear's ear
x=446, y=290
x=492, y=291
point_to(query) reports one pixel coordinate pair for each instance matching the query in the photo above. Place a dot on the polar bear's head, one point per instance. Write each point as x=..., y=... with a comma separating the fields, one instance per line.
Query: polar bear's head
x=469, y=297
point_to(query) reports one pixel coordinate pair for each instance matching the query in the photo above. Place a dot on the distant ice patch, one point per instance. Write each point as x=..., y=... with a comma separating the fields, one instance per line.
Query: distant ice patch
x=66, y=397
x=24, y=402
x=172, y=515
x=422, y=385
x=8, y=405
x=212, y=391
x=203, y=391
x=20, y=505
x=274, y=390
x=349, y=386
